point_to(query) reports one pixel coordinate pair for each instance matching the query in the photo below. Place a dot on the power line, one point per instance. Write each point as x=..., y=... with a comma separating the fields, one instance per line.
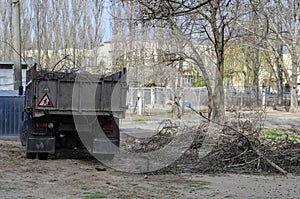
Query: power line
x=14, y=50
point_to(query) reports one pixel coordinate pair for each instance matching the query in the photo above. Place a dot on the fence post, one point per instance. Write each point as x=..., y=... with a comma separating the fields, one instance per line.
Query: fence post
x=152, y=96
x=241, y=102
x=139, y=102
x=263, y=95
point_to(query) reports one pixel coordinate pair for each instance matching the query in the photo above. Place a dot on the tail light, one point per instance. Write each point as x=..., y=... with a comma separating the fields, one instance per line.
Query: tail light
x=107, y=127
x=44, y=125
x=41, y=125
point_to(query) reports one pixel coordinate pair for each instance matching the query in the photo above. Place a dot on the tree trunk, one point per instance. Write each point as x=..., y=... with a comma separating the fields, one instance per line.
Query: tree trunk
x=294, y=100
x=280, y=86
x=256, y=67
x=293, y=82
x=279, y=60
x=218, y=108
x=176, y=109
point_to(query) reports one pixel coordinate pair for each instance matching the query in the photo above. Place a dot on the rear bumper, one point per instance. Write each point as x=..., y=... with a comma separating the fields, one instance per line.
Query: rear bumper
x=41, y=144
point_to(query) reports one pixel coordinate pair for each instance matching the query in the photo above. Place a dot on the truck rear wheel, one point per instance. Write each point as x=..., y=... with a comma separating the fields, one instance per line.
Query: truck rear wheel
x=30, y=155
x=22, y=134
x=42, y=156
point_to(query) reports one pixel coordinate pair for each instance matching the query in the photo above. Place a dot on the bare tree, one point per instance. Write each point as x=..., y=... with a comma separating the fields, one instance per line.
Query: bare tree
x=6, y=28
x=210, y=22
x=252, y=31
x=287, y=34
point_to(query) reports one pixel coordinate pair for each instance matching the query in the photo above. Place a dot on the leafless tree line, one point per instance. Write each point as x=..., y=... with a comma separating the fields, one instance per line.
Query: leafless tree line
x=50, y=30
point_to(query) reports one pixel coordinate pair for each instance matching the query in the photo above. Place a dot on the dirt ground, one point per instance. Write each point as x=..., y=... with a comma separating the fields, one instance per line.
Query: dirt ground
x=83, y=178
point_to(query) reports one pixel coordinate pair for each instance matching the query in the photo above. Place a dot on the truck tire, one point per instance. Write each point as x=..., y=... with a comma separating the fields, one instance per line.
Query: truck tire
x=42, y=156
x=22, y=134
x=30, y=155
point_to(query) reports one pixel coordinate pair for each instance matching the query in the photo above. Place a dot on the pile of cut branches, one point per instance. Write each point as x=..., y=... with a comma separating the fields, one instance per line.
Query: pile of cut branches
x=240, y=149
x=165, y=134
x=250, y=154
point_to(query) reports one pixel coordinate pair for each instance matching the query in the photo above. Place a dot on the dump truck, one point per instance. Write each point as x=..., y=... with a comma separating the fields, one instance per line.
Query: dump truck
x=72, y=110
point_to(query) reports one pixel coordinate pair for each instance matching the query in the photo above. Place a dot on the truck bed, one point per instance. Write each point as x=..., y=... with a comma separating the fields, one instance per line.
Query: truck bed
x=70, y=93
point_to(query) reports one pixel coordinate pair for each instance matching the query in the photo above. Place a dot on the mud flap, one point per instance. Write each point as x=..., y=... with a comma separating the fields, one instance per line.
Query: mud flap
x=40, y=144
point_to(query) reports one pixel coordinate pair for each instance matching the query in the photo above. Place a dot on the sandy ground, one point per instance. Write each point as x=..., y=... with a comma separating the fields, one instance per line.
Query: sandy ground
x=82, y=178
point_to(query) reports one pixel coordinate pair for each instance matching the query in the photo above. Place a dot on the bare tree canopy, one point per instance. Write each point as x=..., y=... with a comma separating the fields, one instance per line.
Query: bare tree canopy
x=52, y=26
x=259, y=32
x=283, y=23
x=210, y=22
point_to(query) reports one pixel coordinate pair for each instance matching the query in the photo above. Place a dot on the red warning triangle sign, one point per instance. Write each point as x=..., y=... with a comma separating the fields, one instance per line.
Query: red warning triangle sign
x=45, y=102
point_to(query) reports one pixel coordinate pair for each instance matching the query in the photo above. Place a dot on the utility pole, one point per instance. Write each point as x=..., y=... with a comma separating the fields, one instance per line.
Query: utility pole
x=16, y=44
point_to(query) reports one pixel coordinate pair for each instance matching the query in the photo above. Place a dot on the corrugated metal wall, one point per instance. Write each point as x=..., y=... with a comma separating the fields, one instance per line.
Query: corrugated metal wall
x=11, y=108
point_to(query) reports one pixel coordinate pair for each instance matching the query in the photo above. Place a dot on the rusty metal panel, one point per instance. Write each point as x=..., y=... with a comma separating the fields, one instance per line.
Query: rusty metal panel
x=11, y=108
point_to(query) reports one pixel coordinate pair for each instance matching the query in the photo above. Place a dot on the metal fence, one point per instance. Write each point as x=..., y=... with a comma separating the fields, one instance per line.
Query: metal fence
x=150, y=96
x=11, y=108
x=197, y=97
